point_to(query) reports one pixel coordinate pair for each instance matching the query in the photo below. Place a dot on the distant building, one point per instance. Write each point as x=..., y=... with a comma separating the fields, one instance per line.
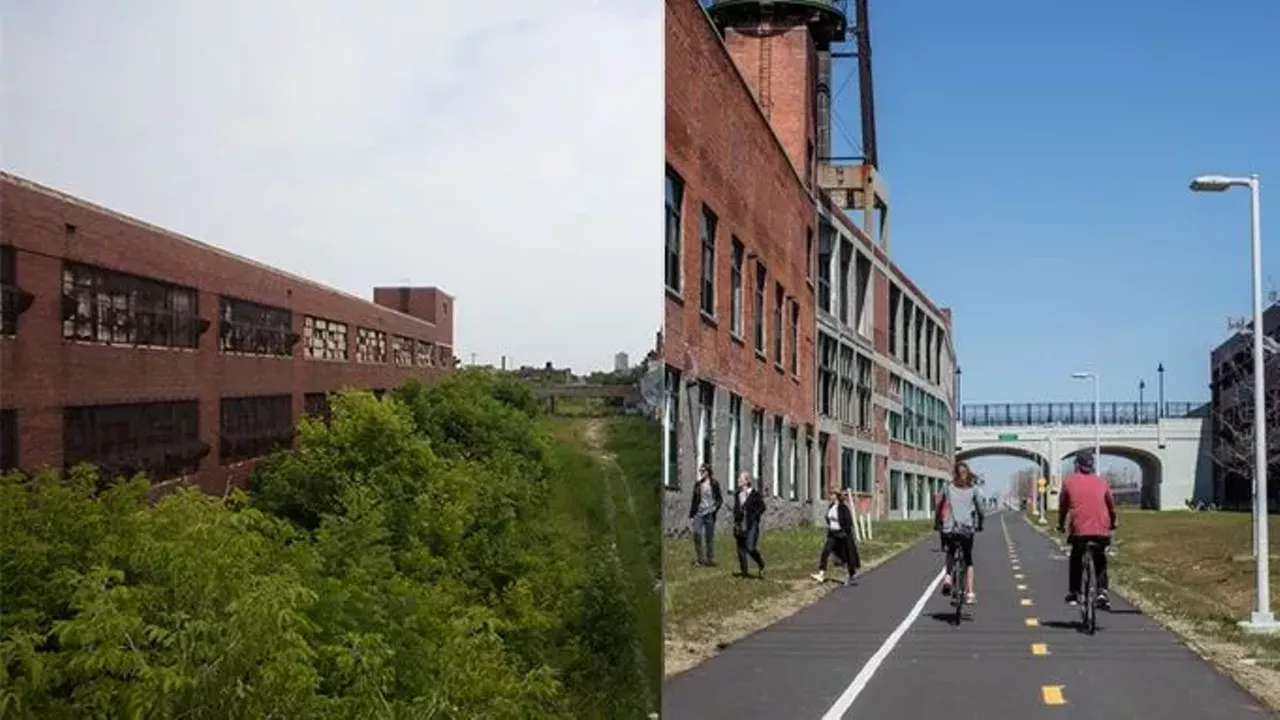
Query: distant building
x=1231, y=372
x=621, y=363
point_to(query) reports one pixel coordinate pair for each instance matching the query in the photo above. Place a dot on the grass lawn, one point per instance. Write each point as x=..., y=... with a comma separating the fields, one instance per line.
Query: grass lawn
x=1193, y=571
x=707, y=608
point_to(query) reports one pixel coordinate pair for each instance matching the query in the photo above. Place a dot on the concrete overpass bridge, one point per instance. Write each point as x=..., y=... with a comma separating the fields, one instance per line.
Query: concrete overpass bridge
x=627, y=394
x=1170, y=444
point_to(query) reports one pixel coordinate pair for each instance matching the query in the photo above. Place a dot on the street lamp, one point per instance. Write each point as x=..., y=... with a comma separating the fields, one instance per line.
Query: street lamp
x=1262, y=619
x=1097, y=415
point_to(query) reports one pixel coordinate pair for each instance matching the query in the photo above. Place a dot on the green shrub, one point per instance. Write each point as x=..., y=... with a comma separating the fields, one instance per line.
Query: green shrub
x=430, y=554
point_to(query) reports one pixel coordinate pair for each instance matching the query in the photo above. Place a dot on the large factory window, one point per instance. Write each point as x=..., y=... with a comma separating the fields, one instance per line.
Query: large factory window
x=13, y=299
x=105, y=306
x=255, y=426
x=325, y=339
x=253, y=329
x=371, y=346
x=8, y=439
x=161, y=439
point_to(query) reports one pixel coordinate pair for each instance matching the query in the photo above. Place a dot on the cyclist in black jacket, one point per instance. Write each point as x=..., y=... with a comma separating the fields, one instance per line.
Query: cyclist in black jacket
x=748, y=509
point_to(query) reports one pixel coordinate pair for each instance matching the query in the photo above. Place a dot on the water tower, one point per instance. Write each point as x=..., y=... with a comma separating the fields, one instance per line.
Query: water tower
x=783, y=49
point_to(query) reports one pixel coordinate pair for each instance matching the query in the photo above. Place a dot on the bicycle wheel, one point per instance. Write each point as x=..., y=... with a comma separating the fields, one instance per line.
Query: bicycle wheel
x=957, y=589
x=1089, y=603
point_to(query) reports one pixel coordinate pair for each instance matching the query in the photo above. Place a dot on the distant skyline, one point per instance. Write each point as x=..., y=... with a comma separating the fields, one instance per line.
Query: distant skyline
x=467, y=146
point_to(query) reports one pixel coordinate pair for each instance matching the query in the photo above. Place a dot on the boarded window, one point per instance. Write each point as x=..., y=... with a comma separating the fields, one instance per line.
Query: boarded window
x=324, y=339
x=371, y=345
x=161, y=439
x=8, y=439
x=402, y=350
x=254, y=329
x=316, y=405
x=105, y=306
x=255, y=426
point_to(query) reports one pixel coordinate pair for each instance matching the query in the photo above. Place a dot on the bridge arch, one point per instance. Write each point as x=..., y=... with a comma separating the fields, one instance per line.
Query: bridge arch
x=1004, y=450
x=1149, y=467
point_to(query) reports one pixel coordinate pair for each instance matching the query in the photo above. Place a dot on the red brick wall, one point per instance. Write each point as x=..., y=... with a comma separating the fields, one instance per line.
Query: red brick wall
x=40, y=372
x=729, y=158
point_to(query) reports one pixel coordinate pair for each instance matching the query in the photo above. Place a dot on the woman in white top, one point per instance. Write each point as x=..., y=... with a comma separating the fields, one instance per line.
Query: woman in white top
x=839, y=521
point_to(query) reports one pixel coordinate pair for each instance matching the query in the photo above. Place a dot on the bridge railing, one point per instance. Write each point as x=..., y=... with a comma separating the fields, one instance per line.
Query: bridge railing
x=1078, y=413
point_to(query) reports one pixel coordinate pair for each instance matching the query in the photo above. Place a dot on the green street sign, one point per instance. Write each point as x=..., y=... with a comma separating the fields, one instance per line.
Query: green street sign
x=1004, y=437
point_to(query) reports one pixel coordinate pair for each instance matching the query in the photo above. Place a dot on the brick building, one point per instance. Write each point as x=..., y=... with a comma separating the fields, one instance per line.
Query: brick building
x=135, y=348
x=794, y=347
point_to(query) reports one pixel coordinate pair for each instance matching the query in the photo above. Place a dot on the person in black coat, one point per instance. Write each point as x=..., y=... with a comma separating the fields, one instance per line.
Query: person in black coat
x=748, y=509
x=840, y=538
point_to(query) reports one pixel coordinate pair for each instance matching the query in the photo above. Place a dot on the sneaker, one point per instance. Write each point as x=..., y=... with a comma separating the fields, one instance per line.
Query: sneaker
x=1104, y=602
x=820, y=576
x=970, y=599
x=850, y=582
x=946, y=586
x=1071, y=599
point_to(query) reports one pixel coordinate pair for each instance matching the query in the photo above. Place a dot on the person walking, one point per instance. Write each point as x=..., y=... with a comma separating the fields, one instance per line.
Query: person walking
x=703, y=506
x=839, y=537
x=748, y=510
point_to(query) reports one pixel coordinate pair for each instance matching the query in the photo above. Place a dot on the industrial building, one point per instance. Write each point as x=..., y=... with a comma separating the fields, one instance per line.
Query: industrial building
x=1231, y=412
x=139, y=349
x=794, y=347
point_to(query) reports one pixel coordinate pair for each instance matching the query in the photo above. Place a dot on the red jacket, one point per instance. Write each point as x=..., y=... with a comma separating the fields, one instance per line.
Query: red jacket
x=1088, y=499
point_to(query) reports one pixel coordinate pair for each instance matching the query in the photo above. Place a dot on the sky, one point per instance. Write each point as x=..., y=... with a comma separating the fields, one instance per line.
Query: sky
x=498, y=150
x=1038, y=156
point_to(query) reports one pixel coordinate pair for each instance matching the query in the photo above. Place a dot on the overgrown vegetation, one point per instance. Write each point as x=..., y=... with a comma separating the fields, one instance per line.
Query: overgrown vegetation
x=435, y=554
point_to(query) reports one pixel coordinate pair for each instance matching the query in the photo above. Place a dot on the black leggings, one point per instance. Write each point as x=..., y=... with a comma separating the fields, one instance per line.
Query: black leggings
x=844, y=547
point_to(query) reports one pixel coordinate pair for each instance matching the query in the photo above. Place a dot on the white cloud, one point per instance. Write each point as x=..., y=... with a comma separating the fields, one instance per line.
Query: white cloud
x=506, y=151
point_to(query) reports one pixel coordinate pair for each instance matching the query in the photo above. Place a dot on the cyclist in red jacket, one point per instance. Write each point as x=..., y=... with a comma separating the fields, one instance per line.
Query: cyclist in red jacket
x=1086, y=497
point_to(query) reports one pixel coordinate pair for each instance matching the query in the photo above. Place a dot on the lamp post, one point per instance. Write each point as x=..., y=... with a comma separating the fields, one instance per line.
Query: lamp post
x=1160, y=403
x=1262, y=620
x=1097, y=415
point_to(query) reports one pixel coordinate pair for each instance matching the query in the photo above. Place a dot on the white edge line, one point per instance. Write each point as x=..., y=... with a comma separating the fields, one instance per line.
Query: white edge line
x=859, y=683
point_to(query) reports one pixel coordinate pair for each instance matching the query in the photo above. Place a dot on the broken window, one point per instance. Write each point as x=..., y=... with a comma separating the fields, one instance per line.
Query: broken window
x=8, y=439
x=324, y=339
x=13, y=300
x=426, y=354
x=253, y=329
x=115, y=308
x=160, y=439
x=371, y=345
x=255, y=426
x=402, y=350
x=316, y=405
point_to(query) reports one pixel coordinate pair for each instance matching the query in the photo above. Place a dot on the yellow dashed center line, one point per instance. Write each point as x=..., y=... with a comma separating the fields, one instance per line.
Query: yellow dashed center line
x=1039, y=649
x=1018, y=576
x=1026, y=602
x=1052, y=695
x=1032, y=622
x=1022, y=587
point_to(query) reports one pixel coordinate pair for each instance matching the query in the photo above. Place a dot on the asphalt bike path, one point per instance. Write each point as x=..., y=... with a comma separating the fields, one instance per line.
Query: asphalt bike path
x=1132, y=668
x=798, y=667
x=887, y=649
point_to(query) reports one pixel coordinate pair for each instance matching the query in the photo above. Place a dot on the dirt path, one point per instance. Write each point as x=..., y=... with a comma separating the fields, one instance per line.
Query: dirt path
x=593, y=436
